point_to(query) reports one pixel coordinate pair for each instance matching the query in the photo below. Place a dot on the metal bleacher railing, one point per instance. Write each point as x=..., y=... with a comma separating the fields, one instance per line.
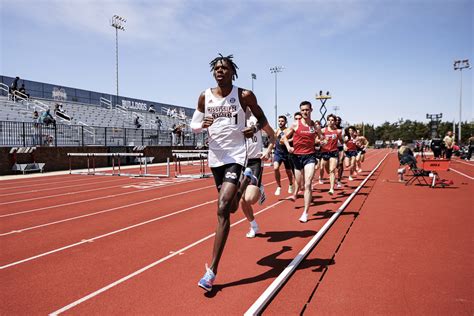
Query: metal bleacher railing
x=36, y=134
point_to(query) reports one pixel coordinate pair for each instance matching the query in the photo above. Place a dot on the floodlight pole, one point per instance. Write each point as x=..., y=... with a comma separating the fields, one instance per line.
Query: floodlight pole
x=460, y=65
x=254, y=77
x=275, y=70
x=118, y=23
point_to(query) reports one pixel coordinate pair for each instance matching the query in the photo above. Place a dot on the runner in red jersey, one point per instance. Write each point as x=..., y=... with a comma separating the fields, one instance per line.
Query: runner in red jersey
x=330, y=153
x=304, y=133
x=351, y=151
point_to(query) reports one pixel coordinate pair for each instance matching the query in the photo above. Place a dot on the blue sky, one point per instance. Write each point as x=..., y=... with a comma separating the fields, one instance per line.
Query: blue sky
x=381, y=60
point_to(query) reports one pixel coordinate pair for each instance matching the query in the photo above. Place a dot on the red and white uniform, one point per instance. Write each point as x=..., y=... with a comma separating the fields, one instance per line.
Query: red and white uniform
x=303, y=139
x=331, y=137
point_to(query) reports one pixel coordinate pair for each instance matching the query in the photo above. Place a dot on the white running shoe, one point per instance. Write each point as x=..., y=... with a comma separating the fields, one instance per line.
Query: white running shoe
x=321, y=181
x=351, y=178
x=278, y=191
x=304, y=217
x=331, y=192
x=339, y=185
x=290, y=189
x=252, y=232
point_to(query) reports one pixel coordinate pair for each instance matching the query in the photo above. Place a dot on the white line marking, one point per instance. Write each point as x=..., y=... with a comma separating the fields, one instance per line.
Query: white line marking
x=57, y=188
x=84, y=201
x=20, y=230
x=262, y=301
x=113, y=284
x=463, y=174
x=466, y=163
x=102, y=236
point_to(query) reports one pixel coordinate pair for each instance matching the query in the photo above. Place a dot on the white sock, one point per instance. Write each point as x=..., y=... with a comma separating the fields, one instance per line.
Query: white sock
x=253, y=223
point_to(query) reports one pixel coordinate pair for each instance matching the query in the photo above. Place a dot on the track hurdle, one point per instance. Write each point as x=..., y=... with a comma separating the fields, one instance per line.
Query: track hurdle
x=116, y=166
x=190, y=155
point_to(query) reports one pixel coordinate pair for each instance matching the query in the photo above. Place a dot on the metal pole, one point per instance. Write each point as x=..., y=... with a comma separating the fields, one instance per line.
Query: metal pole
x=460, y=112
x=116, y=63
x=276, y=102
x=252, y=83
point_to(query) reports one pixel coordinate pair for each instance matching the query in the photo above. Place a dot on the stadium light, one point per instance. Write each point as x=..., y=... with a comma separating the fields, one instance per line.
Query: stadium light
x=460, y=65
x=117, y=23
x=275, y=70
x=254, y=77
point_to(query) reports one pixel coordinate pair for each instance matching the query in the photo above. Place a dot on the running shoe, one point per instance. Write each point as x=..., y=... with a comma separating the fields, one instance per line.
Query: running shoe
x=290, y=189
x=304, y=217
x=351, y=178
x=249, y=174
x=207, y=280
x=331, y=192
x=339, y=184
x=321, y=181
x=278, y=191
x=253, y=231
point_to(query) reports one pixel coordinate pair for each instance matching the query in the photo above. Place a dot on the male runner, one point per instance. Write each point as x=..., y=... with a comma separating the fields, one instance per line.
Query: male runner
x=330, y=153
x=222, y=111
x=281, y=156
x=303, y=132
x=254, y=190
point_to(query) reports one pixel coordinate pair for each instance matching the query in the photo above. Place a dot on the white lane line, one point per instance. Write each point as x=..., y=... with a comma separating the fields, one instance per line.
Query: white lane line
x=89, y=200
x=45, y=183
x=83, y=241
x=268, y=294
x=49, y=188
x=20, y=230
x=463, y=174
x=62, y=194
x=177, y=252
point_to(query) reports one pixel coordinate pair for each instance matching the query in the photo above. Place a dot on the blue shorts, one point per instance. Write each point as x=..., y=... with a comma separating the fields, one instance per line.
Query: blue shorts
x=351, y=153
x=280, y=157
x=330, y=154
x=302, y=160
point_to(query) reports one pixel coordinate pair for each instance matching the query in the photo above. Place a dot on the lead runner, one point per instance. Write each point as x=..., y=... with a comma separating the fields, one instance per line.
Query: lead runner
x=222, y=111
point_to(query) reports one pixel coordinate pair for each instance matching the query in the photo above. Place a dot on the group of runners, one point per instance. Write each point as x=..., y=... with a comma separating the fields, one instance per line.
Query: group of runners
x=234, y=122
x=305, y=147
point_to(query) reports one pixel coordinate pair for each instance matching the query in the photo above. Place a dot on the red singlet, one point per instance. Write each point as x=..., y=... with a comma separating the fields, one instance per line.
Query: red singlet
x=351, y=145
x=303, y=139
x=331, y=137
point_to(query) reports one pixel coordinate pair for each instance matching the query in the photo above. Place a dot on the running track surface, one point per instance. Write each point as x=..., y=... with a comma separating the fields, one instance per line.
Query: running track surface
x=118, y=245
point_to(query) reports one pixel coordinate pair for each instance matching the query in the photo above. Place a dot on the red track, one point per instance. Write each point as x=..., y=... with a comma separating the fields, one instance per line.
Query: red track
x=118, y=245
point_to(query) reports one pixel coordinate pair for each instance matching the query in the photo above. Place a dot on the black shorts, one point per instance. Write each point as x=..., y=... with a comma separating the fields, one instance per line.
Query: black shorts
x=257, y=168
x=351, y=153
x=302, y=160
x=226, y=173
x=330, y=154
x=280, y=157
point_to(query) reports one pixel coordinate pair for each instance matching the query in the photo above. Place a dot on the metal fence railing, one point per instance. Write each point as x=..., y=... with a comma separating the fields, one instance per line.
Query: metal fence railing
x=59, y=135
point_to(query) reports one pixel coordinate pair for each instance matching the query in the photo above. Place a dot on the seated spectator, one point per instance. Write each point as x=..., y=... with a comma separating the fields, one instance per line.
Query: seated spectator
x=46, y=118
x=35, y=116
x=151, y=109
x=59, y=111
x=137, y=122
x=14, y=87
x=406, y=157
x=23, y=90
x=158, y=122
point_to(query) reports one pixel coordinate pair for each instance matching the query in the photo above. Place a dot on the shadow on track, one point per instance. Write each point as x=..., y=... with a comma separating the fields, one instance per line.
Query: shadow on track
x=276, y=267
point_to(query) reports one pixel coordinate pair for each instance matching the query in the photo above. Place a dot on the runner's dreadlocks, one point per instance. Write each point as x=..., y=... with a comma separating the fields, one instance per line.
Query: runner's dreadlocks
x=228, y=59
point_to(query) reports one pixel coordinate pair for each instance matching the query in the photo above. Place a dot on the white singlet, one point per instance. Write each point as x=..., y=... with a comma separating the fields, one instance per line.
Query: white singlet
x=226, y=140
x=255, y=143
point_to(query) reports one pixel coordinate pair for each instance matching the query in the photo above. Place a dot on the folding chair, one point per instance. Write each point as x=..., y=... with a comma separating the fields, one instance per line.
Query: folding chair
x=418, y=175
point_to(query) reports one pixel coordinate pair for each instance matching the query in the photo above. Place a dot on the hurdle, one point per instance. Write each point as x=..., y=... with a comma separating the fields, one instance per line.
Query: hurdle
x=199, y=155
x=116, y=167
